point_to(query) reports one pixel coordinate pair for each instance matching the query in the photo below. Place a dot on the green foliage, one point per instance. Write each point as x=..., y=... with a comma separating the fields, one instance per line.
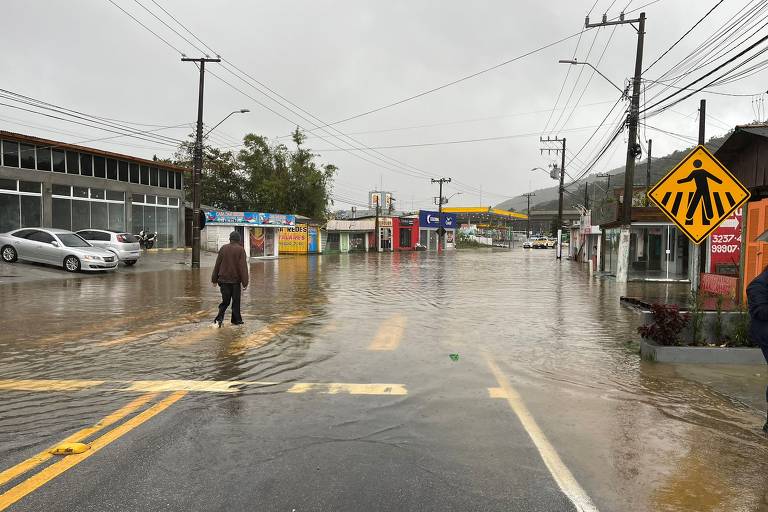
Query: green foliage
x=697, y=318
x=263, y=177
x=667, y=324
x=717, y=327
x=741, y=328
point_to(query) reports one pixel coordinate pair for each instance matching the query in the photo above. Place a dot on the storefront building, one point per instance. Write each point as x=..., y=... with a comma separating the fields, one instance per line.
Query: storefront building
x=405, y=233
x=429, y=221
x=259, y=231
x=44, y=183
x=349, y=235
x=299, y=239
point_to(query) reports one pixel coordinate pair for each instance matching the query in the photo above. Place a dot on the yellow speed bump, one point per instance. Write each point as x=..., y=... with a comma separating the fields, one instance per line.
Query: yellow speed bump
x=70, y=448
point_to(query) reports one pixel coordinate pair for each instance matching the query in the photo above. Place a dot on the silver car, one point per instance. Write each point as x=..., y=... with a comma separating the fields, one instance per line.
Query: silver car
x=124, y=245
x=55, y=247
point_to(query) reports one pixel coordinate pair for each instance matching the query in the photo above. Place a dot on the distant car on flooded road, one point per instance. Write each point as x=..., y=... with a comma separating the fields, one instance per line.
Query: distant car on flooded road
x=123, y=245
x=55, y=247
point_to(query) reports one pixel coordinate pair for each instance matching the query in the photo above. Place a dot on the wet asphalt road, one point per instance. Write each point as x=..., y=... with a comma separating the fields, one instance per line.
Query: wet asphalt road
x=339, y=393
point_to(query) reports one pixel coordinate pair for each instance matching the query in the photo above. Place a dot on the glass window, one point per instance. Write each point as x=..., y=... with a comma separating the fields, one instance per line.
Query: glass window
x=9, y=212
x=81, y=215
x=150, y=219
x=27, y=156
x=173, y=201
x=101, y=236
x=97, y=193
x=58, y=160
x=134, y=173
x=41, y=236
x=153, y=176
x=99, y=167
x=151, y=200
x=111, y=169
x=23, y=233
x=62, y=213
x=10, y=153
x=163, y=177
x=179, y=177
x=31, y=211
x=144, y=175
x=86, y=164
x=30, y=186
x=43, y=158
x=62, y=190
x=99, y=218
x=86, y=234
x=7, y=184
x=116, y=216
x=79, y=191
x=173, y=226
x=162, y=200
x=161, y=215
x=123, y=171
x=73, y=163
x=137, y=218
x=72, y=240
x=113, y=195
x=138, y=198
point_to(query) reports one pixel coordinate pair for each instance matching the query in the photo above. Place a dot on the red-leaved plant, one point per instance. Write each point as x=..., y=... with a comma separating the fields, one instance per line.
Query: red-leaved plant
x=667, y=324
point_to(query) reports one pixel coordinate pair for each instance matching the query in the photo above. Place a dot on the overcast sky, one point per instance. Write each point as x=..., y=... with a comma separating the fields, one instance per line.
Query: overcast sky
x=337, y=59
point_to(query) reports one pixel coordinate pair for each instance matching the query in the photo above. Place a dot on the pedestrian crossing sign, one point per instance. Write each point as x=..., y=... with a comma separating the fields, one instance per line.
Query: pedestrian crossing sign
x=698, y=194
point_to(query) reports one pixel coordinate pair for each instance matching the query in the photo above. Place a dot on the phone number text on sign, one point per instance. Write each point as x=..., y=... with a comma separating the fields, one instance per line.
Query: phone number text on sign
x=725, y=242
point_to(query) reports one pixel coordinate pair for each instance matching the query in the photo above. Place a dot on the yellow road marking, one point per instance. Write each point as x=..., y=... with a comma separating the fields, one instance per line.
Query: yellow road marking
x=562, y=475
x=390, y=333
x=193, y=336
x=49, y=385
x=265, y=334
x=209, y=386
x=49, y=473
x=335, y=388
x=22, y=467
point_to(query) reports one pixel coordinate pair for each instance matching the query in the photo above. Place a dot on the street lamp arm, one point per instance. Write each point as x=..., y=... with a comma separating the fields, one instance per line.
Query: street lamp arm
x=241, y=111
x=574, y=63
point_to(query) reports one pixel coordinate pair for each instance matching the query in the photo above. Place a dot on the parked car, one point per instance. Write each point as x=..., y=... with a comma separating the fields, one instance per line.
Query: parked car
x=55, y=247
x=124, y=245
x=528, y=244
x=551, y=243
x=541, y=243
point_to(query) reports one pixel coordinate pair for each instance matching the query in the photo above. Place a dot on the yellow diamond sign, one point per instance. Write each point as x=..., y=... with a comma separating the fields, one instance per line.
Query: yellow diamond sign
x=698, y=194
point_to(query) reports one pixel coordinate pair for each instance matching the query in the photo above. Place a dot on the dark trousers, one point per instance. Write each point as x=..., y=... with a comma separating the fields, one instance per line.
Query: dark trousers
x=230, y=292
x=764, y=348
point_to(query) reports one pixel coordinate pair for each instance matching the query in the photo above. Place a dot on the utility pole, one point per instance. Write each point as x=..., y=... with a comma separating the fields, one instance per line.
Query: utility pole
x=633, y=148
x=586, y=195
x=440, y=229
x=197, y=165
x=559, y=251
x=648, y=168
x=378, y=236
x=696, y=248
x=528, y=196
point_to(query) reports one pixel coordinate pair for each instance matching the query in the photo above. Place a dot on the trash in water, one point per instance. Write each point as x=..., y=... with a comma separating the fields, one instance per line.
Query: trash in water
x=454, y=357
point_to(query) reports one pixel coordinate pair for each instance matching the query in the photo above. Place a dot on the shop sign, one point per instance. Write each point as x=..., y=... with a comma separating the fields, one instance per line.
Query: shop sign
x=725, y=244
x=430, y=219
x=252, y=218
x=385, y=222
x=406, y=221
x=294, y=239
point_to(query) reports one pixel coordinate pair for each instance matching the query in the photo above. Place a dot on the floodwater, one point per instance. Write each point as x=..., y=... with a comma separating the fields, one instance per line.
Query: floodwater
x=634, y=436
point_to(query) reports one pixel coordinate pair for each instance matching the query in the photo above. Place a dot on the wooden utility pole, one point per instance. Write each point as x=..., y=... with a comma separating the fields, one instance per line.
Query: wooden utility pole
x=197, y=170
x=648, y=168
x=440, y=229
x=528, y=196
x=559, y=250
x=696, y=248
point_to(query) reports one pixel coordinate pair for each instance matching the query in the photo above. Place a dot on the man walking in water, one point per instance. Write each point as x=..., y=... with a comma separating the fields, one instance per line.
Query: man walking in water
x=701, y=196
x=229, y=273
x=757, y=297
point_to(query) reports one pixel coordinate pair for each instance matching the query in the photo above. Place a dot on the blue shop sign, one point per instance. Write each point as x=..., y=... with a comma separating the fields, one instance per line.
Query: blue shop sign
x=250, y=218
x=430, y=219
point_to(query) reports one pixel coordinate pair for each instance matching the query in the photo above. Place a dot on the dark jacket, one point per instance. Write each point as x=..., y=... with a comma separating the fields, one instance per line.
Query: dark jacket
x=231, y=265
x=757, y=298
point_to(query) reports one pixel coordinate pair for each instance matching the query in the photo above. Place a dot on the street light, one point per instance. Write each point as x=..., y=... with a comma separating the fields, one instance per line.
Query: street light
x=450, y=196
x=554, y=173
x=241, y=111
x=577, y=63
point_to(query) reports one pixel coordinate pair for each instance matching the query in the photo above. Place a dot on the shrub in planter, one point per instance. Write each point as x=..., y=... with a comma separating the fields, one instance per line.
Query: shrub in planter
x=667, y=324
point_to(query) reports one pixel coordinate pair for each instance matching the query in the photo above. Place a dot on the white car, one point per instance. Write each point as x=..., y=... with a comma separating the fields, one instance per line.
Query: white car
x=528, y=244
x=124, y=245
x=55, y=247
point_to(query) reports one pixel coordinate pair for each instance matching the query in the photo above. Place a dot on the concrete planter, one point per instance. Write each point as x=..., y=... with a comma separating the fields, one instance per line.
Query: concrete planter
x=650, y=351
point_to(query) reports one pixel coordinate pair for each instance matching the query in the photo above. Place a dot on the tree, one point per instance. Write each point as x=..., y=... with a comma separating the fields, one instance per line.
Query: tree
x=264, y=177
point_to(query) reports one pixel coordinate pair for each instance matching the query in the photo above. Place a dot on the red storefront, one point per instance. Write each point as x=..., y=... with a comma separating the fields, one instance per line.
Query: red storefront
x=405, y=233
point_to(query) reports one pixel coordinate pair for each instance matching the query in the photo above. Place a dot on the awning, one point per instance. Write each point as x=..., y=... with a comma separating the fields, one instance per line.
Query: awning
x=465, y=210
x=351, y=225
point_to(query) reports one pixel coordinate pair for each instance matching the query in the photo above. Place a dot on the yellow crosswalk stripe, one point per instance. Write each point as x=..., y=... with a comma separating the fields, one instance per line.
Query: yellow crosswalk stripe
x=390, y=333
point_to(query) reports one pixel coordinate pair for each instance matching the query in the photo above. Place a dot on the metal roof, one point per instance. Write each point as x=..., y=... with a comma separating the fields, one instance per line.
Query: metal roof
x=485, y=209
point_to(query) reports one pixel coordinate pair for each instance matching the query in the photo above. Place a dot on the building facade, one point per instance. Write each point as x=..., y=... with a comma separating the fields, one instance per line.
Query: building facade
x=259, y=232
x=45, y=183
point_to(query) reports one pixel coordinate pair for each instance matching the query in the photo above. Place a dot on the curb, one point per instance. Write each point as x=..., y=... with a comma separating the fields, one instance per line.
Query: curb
x=700, y=355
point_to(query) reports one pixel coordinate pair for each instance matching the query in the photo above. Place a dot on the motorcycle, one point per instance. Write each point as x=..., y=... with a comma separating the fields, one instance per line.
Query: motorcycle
x=146, y=240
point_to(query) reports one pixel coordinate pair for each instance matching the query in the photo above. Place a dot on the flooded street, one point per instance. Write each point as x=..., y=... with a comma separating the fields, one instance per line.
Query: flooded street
x=340, y=392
